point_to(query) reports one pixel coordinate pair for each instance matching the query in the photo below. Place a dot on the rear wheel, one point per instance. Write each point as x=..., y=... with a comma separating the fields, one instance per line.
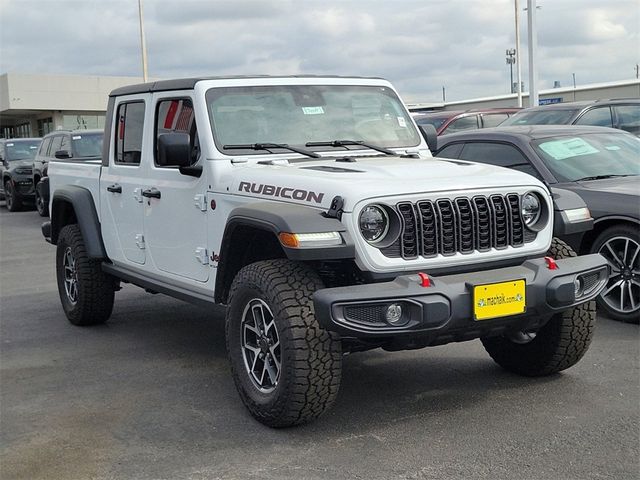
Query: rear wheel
x=86, y=292
x=12, y=197
x=620, y=299
x=558, y=345
x=286, y=367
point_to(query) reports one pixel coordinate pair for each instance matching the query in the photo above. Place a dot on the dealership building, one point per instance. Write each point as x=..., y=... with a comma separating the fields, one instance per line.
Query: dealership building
x=34, y=105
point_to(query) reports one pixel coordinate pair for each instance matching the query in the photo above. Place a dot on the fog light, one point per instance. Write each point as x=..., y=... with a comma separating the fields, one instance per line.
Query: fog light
x=393, y=315
x=577, y=287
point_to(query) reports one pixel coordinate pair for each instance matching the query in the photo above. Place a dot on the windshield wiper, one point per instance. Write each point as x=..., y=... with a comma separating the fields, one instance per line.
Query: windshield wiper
x=344, y=143
x=269, y=146
x=602, y=177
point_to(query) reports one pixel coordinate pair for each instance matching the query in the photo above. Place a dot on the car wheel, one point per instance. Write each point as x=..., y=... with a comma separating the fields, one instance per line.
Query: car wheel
x=86, y=292
x=12, y=197
x=41, y=205
x=286, y=367
x=620, y=299
x=558, y=345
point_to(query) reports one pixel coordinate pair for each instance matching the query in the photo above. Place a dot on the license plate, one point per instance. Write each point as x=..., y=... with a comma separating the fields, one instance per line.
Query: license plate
x=495, y=300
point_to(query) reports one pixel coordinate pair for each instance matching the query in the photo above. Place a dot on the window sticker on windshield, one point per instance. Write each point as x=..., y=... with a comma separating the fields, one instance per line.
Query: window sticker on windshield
x=613, y=148
x=76, y=137
x=33, y=147
x=313, y=110
x=10, y=144
x=566, y=148
x=402, y=122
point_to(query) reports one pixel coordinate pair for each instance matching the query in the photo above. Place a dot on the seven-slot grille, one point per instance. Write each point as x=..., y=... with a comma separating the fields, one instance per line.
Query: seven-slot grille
x=462, y=225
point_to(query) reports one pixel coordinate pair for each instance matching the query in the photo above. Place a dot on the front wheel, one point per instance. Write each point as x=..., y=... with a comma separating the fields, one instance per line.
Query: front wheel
x=620, y=299
x=12, y=197
x=286, y=367
x=86, y=292
x=41, y=204
x=558, y=345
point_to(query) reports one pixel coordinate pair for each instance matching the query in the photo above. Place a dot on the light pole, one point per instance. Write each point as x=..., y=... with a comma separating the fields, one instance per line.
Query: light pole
x=533, y=44
x=511, y=59
x=518, y=64
x=143, y=44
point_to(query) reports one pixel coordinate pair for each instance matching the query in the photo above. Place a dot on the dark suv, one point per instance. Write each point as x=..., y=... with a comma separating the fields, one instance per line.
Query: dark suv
x=16, y=159
x=63, y=145
x=623, y=114
x=456, y=121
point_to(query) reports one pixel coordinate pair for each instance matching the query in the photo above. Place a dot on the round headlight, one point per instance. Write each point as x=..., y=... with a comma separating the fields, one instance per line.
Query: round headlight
x=374, y=223
x=531, y=208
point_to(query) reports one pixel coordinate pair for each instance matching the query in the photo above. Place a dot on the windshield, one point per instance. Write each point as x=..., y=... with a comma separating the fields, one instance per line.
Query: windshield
x=87, y=145
x=572, y=158
x=21, y=149
x=540, y=117
x=297, y=115
x=435, y=121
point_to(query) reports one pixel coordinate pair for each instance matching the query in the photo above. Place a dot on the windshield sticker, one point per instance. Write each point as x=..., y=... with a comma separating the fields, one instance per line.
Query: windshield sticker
x=613, y=148
x=402, y=122
x=10, y=144
x=313, y=110
x=76, y=137
x=33, y=147
x=567, y=148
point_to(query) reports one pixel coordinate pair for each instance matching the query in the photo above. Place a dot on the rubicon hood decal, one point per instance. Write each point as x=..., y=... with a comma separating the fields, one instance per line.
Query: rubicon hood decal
x=283, y=192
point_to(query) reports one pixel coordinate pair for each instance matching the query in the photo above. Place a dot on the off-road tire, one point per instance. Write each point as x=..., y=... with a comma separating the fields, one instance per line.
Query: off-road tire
x=95, y=289
x=12, y=198
x=41, y=205
x=619, y=231
x=558, y=345
x=311, y=357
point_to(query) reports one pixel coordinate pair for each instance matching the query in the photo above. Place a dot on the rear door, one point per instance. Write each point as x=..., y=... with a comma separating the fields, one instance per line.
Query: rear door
x=175, y=221
x=122, y=182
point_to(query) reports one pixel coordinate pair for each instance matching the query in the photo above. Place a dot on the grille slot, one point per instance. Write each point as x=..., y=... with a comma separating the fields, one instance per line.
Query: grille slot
x=464, y=225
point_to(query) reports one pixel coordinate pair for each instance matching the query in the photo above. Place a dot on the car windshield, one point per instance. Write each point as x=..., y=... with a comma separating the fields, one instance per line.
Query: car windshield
x=436, y=121
x=87, y=145
x=590, y=156
x=21, y=149
x=297, y=115
x=540, y=117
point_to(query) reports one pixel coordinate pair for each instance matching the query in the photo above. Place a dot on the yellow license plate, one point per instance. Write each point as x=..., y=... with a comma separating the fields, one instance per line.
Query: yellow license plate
x=499, y=299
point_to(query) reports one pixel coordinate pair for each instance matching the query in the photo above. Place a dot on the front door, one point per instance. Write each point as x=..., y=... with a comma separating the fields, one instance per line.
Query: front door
x=175, y=206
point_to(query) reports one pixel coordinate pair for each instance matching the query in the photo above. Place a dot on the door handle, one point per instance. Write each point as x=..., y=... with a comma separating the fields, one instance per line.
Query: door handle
x=115, y=188
x=151, y=193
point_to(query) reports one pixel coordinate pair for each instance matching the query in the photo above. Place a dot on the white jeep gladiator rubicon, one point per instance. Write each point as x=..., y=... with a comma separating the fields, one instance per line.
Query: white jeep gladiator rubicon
x=311, y=207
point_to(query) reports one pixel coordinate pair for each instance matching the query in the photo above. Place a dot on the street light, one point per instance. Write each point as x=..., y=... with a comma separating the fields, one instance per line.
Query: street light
x=511, y=59
x=143, y=44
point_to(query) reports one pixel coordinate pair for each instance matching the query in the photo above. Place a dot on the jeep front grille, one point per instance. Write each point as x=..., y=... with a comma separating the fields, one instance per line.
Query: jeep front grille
x=463, y=225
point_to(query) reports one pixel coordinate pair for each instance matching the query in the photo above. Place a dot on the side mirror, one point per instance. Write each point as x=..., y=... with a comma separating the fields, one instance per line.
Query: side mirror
x=173, y=150
x=430, y=136
x=62, y=154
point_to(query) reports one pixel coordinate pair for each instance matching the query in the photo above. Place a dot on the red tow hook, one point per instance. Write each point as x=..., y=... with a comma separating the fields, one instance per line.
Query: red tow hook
x=551, y=263
x=425, y=281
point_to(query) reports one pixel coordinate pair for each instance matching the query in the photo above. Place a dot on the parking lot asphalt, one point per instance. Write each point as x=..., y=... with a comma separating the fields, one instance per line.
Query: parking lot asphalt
x=149, y=395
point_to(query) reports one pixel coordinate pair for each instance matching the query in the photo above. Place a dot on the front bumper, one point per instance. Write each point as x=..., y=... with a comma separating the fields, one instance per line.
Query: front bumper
x=444, y=312
x=23, y=186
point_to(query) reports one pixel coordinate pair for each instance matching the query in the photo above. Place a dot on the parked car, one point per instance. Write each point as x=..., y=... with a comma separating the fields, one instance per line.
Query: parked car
x=76, y=145
x=16, y=159
x=446, y=122
x=602, y=165
x=623, y=114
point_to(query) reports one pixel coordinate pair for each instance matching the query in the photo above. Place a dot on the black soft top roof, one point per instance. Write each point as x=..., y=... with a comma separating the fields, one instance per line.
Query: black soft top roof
x=189, y=83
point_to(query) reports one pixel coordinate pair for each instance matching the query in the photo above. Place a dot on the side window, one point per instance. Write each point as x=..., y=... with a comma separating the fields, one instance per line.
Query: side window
x=56, y=143
x=498, y=154
x=600, y=117
x=44, y=147
x=493, y=119
x=628, y=118
x=464, y=123
x=130, y=118
x=176, y=115
x=450, y=151
x=65, y=144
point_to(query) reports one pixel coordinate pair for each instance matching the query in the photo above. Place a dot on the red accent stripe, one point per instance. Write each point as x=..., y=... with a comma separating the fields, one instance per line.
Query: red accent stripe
x=171, y=113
